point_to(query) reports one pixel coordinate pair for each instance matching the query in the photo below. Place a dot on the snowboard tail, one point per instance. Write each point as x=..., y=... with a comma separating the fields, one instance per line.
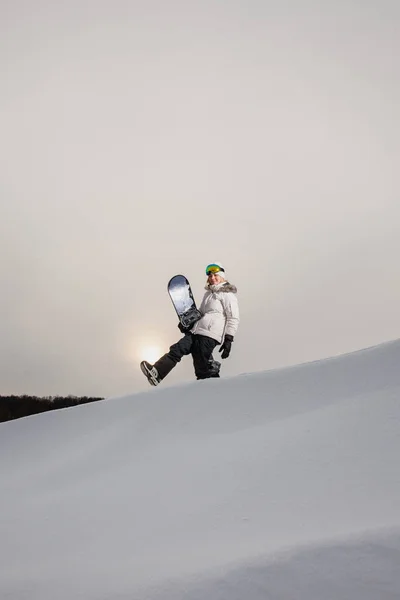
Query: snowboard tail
x=182, y=298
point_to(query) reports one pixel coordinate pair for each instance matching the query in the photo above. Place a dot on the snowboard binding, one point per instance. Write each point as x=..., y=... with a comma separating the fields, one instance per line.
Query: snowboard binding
x=189, y=318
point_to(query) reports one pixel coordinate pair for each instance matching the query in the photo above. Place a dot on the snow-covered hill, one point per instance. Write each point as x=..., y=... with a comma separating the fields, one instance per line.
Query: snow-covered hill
x=280, y=485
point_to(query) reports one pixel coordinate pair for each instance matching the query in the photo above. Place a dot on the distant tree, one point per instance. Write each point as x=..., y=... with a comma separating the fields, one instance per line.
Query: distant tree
x=15, y=407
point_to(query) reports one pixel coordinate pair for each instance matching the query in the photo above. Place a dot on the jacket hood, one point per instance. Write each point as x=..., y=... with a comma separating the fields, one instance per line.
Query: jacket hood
x=225, y=286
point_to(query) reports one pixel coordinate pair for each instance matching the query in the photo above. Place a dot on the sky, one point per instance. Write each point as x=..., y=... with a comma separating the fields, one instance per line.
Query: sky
x=144, y=139
x=283, y=484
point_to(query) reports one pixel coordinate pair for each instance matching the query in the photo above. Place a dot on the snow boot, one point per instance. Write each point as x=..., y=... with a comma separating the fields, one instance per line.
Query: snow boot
x=150, y=372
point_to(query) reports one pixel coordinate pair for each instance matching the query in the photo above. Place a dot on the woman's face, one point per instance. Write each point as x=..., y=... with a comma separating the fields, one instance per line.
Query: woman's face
x=215, y=278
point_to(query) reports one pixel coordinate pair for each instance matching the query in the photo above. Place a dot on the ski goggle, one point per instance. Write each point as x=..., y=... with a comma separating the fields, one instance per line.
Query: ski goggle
x=213, y=269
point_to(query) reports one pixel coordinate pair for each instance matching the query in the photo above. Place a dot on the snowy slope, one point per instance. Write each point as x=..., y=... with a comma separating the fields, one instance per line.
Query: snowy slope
x=280, y=485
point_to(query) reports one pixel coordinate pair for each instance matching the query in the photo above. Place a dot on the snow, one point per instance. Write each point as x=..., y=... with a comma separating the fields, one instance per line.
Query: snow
x=281, y=485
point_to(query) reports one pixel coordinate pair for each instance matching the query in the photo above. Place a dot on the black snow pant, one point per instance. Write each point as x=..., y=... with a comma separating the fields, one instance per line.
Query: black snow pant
x=201, y=349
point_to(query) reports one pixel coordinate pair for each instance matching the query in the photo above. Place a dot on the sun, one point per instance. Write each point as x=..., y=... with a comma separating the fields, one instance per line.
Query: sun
x=144, y=347
x=150, y=353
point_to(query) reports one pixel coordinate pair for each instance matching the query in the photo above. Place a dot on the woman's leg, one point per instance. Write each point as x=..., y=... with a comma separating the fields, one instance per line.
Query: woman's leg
x=204, y=365
x=166, y=363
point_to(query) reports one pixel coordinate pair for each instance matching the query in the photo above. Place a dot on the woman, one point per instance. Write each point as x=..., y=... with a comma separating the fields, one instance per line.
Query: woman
x=218, y=324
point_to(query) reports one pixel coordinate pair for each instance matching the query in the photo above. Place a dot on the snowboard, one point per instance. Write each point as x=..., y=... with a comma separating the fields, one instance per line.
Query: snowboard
x=182, y=298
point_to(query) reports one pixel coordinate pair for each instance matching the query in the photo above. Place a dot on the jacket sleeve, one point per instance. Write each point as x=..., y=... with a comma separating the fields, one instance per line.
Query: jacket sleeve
x=231, y=308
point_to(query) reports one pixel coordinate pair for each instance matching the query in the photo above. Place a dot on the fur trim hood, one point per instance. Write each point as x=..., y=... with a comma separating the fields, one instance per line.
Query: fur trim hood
x=222, y=287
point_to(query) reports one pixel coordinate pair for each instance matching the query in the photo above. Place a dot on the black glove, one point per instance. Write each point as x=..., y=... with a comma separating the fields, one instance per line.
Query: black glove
x=183, y=329
x=226, y=346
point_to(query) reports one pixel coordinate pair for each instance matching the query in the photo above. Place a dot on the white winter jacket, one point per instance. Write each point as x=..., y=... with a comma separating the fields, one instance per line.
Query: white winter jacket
x=220, y=310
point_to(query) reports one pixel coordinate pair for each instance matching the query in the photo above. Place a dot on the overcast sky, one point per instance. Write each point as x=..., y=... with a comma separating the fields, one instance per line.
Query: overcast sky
x=140, y=139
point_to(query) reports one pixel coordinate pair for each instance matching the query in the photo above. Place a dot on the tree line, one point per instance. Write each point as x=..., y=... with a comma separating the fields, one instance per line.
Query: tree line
x=15, y=407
